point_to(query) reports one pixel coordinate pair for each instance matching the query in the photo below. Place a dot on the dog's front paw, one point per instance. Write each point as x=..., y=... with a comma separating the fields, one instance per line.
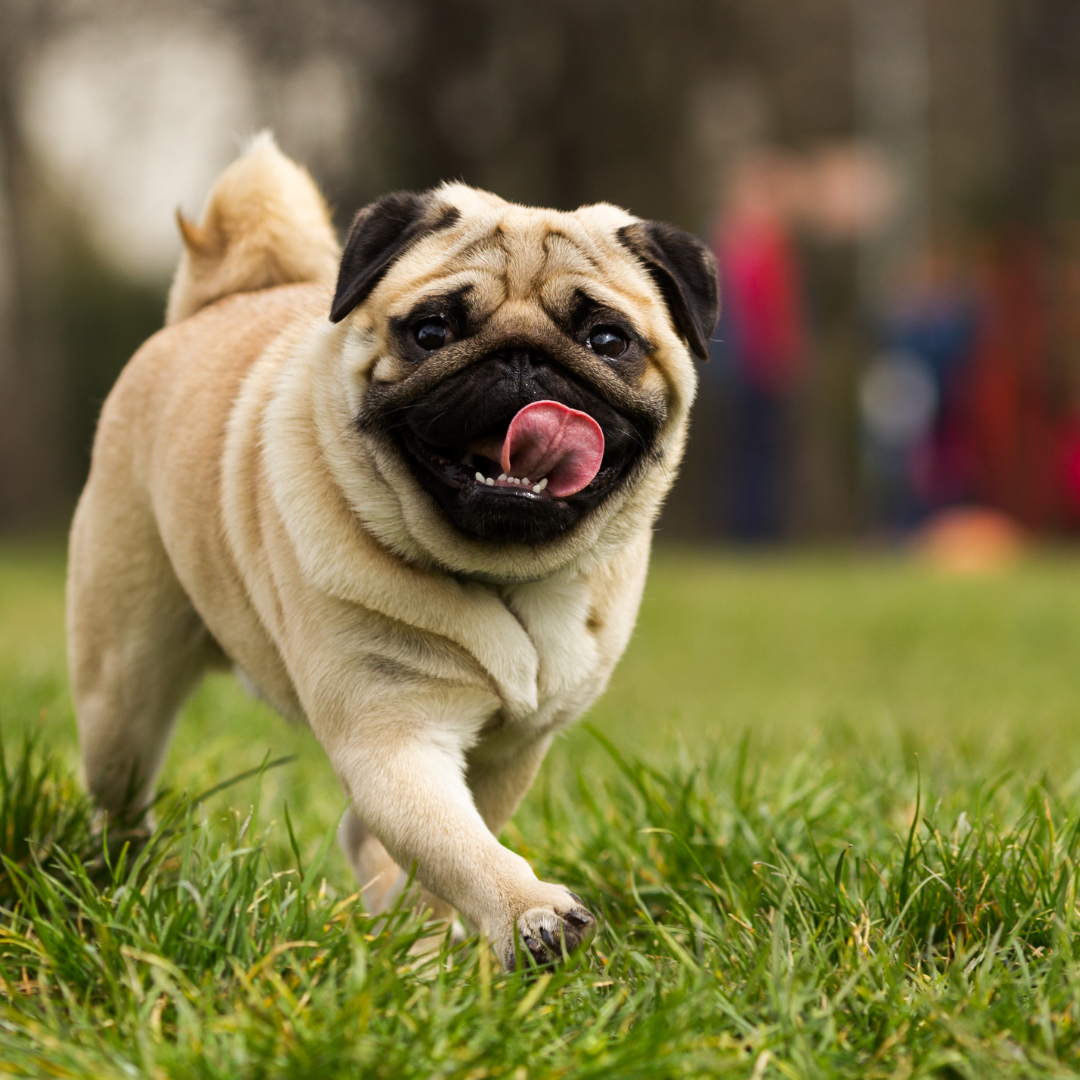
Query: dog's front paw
x=550, y=932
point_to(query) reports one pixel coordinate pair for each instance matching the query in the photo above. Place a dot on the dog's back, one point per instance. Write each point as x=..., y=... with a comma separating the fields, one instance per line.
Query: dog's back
x=265, y=224
x=266, y=235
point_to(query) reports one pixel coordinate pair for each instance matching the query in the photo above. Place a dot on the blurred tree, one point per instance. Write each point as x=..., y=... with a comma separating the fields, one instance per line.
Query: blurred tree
x=31, y=445
x=1043, y=73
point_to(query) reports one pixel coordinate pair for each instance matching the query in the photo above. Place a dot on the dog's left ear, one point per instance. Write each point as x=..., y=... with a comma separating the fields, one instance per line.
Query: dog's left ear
x=684, y=269
x=380, y=233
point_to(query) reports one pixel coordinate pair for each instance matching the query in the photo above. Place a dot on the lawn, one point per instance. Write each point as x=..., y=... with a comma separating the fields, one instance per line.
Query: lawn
x=829, y=810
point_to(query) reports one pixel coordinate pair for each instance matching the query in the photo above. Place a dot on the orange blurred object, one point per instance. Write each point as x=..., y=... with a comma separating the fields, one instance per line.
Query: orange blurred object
x=970, y=540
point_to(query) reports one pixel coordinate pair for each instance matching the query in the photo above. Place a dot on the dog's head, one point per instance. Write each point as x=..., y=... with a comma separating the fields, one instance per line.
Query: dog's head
x=522, y=377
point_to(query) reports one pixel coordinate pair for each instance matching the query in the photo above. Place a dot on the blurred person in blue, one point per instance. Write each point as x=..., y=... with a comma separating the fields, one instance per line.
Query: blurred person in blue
x=915, y=396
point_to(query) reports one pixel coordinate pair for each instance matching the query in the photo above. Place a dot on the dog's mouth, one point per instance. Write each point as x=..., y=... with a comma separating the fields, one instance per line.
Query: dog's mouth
x=548, y=451
x=507, y=460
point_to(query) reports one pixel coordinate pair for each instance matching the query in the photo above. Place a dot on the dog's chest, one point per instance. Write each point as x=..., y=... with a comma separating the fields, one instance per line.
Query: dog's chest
x=570, y=670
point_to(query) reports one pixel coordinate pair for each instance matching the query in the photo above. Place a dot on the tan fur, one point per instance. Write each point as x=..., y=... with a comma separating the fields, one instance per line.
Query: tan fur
x=265, y=224
x=234, y=510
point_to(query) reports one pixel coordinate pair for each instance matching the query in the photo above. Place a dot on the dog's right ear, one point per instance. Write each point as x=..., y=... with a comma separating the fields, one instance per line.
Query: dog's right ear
x=379, y=234
x=685, y=271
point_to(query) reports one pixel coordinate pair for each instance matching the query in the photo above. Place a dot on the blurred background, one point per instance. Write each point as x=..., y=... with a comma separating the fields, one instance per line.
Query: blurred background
x=892, y=188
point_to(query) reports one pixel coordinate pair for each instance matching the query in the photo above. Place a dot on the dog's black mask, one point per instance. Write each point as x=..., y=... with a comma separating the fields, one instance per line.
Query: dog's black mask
x=435, y=431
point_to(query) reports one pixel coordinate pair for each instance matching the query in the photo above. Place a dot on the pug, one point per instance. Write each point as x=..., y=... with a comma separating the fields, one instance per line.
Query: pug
x=407, y=489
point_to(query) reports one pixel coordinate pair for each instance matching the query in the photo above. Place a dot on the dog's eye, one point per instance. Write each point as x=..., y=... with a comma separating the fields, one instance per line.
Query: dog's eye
x=608, y=342
x=432, y=333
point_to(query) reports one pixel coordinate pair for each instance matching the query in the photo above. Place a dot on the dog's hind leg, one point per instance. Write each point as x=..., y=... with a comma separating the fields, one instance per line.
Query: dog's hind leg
x=381, y=880
x=378, y=876
x=136, y=646
x=499, y=782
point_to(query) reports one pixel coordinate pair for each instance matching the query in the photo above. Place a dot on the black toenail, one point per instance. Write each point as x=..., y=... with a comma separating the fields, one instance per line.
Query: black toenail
x=549, y=941
x=532, y=944
x=577, y=898
x=578, y=918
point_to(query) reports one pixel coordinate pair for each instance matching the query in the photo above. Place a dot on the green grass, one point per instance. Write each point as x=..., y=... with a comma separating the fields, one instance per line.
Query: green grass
x=829, y=811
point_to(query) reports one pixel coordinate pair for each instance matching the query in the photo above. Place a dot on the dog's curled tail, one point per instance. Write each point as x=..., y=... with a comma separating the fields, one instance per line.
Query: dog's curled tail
x=265, y=223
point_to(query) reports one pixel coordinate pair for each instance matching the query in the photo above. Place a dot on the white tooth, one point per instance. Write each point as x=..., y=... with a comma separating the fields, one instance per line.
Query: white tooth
x=513, y=480
x=538, y=488
x=502, y=476
x=525, y=481
x=479, y=477
x=541, y=485
x=490, y=482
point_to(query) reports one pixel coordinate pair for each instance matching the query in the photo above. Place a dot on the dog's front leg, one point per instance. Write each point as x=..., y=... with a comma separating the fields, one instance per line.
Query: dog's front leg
x=405, y=776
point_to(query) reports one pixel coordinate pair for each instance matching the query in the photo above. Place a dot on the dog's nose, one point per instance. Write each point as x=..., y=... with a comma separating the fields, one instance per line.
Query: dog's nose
x=515, y=356
x=520, y=365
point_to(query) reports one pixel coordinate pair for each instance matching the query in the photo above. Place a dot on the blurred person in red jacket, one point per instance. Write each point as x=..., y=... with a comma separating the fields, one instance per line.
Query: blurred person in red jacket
x=762, y=338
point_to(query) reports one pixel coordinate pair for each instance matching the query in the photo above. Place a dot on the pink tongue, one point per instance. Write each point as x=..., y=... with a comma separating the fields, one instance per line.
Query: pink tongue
x=548, y=439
